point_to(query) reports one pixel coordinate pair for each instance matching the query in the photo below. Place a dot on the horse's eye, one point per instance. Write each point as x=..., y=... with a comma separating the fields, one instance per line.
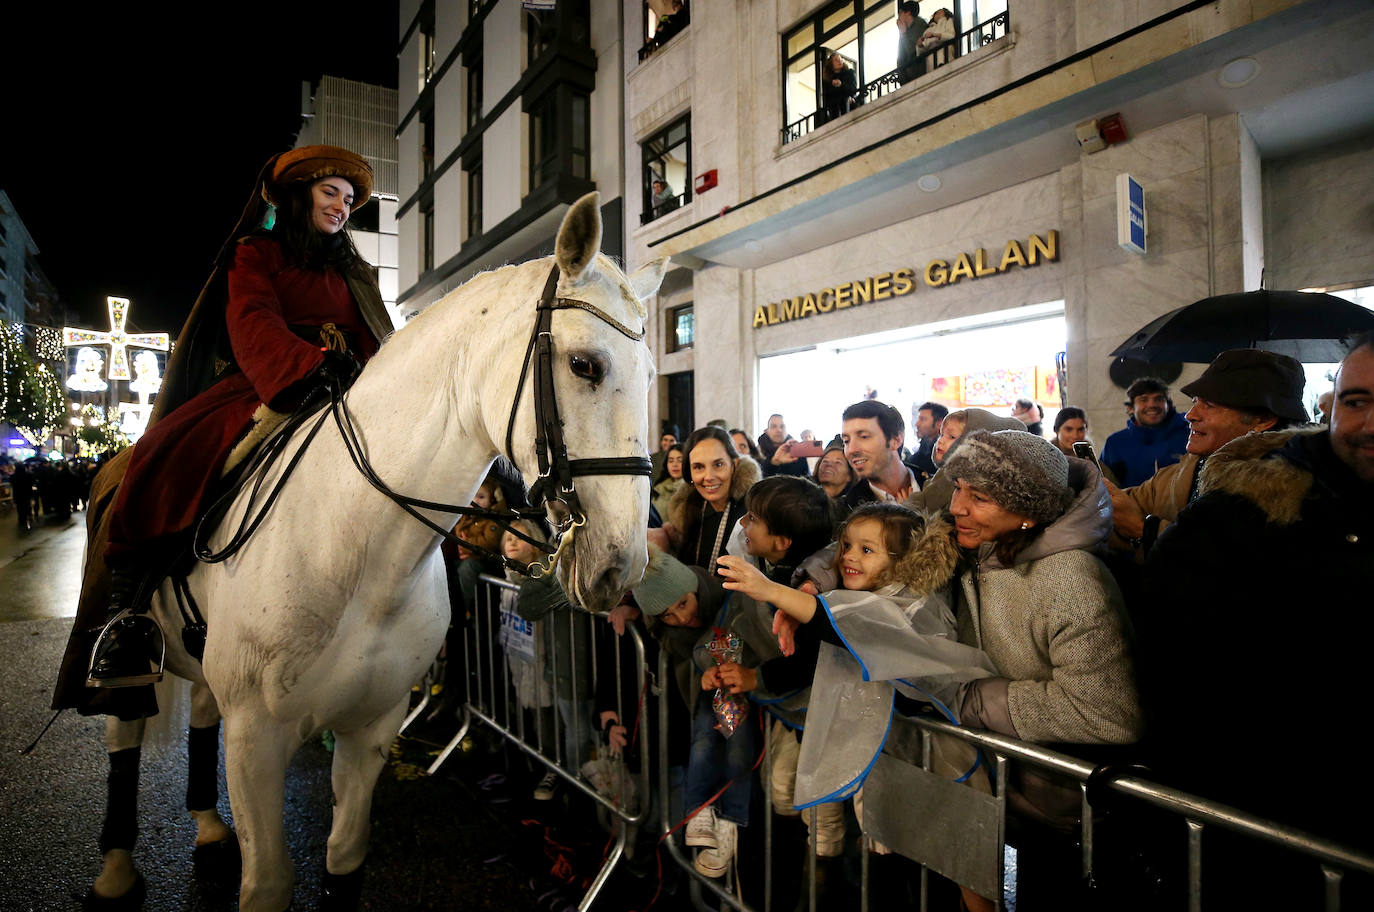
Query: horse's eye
x=588, y=368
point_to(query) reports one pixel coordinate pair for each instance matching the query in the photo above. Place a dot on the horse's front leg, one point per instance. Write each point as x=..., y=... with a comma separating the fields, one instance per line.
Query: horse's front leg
x=216, y=847
x=257, y=751
x=359, y=756
x=118, y=875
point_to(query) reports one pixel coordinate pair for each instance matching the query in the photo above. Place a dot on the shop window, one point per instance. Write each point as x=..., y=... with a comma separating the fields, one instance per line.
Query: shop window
x=474, y=192
x=667, y=170
x=864, y=35
x=682, y=328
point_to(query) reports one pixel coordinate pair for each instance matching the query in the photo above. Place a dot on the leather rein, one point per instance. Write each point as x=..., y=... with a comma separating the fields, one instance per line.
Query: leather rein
x=556, y=471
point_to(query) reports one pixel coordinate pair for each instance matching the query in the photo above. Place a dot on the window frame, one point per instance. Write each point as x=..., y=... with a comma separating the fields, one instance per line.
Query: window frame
x=647, y=178
x=672, y=343
x=472, y=187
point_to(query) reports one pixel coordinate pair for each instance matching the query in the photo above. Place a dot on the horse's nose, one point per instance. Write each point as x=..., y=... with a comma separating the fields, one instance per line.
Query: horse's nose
x=609, y=580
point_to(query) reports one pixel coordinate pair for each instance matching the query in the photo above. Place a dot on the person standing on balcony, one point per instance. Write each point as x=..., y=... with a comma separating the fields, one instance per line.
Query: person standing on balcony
x=665, y=200
x=937, y=42
x=841, y=87
x=911, y=27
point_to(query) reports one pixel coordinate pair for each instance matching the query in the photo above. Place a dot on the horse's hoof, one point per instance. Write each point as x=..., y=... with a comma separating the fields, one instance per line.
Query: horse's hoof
x=218, y=861
x=342, y=891
x=131, y=900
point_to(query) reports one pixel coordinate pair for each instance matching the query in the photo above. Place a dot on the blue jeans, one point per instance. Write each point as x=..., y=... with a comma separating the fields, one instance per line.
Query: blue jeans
x=716, y=760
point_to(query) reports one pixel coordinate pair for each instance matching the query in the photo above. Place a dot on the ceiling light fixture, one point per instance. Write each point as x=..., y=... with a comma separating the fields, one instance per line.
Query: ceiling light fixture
x=928, y=182
x=1239, y=72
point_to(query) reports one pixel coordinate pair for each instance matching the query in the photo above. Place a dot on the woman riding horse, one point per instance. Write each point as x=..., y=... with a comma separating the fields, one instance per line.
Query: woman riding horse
x=301, y=309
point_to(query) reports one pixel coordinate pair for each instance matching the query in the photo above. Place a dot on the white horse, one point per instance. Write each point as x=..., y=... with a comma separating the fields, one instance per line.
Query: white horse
x=337, y=604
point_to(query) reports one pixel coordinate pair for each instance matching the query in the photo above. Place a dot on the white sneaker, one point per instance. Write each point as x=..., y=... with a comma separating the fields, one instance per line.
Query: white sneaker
x=546, y=787
x=715, y=862
x=701, y=829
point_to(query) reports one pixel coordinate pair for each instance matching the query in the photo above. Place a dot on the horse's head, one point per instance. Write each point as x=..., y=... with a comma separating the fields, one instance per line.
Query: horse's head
x=601, y=375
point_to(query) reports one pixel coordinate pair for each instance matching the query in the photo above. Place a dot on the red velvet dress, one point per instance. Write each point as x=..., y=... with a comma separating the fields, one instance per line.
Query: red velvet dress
x=174, y=465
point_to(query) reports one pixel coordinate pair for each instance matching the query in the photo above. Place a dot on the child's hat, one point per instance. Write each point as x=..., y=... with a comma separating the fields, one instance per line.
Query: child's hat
x=666, y=580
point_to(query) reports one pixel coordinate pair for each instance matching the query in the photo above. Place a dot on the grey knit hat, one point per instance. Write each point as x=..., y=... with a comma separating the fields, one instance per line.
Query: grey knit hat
x=666, y=580
x=1021, y=472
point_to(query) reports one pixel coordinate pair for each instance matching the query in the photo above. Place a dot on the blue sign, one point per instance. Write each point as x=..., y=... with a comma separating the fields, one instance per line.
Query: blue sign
x=1130, y=214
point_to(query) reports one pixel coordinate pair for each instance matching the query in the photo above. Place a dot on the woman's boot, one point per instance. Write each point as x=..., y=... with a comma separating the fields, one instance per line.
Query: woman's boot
x=130, y=650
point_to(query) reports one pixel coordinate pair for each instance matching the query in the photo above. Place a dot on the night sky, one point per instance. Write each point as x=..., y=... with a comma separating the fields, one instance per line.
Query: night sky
x=129, y=146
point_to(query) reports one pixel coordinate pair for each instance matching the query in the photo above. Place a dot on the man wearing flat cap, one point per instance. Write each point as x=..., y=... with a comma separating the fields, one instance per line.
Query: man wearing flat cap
x=1243, y=391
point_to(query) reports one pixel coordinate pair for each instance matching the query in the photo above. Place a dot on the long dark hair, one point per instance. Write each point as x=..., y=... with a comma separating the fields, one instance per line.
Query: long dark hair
x=695, y=502
x=663, y=470
x=302, y=244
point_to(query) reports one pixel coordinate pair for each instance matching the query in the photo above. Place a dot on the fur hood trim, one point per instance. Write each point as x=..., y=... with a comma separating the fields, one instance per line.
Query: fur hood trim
x=1277, y=486
x=930, y=563
x=747, y=474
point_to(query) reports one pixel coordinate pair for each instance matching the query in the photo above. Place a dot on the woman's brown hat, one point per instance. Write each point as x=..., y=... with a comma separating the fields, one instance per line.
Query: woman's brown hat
x=310, y=163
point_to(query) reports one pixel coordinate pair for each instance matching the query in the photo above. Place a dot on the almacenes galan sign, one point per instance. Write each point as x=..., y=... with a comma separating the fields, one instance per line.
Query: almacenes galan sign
x=903, y=281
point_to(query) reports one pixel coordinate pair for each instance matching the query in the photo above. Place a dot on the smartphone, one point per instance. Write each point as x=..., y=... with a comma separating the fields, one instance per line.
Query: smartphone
x=1084, y=450
x=804, y=449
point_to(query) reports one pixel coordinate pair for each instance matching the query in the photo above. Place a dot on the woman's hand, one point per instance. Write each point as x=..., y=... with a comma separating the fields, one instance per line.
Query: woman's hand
x=736, y=678
x=615, y=733
x=710, y=678
x=742, y=576
x=1127, y=516
x=785, y=629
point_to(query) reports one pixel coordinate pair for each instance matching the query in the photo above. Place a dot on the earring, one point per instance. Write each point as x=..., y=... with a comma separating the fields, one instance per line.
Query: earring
x=1025, y=525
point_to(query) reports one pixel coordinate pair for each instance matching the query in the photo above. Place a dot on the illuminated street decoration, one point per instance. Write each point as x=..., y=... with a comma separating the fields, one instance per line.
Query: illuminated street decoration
x=147, y=381
x=86, y=378
x=116, y=338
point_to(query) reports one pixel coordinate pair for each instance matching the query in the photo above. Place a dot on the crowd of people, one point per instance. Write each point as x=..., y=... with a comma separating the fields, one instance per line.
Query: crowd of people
x=40, y=487
x=1140, y=610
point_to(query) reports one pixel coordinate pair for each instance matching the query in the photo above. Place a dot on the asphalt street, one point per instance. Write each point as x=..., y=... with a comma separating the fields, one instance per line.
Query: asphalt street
x=469, y=837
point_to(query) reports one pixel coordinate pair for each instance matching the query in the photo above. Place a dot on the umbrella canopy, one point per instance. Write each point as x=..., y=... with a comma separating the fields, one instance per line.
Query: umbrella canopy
x=1304, y=325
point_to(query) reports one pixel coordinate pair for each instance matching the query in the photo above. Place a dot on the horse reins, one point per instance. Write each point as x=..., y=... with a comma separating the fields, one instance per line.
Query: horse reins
x=555, y=469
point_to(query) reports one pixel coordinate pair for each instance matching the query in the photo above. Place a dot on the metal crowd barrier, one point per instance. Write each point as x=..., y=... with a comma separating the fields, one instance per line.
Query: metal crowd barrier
x=485, y=672
x=943, y=826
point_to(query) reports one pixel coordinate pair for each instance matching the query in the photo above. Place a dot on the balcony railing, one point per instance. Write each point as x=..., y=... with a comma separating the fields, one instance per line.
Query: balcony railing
x=661, y=209
x=663, y=36
x=965, y=42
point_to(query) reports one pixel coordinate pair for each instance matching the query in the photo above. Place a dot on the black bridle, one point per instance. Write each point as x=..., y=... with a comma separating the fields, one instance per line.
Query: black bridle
x=556, y=470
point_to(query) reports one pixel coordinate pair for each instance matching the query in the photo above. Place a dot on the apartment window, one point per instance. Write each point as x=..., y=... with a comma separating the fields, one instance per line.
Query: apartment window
x=667, y=170
x=543, y=141
x=580, y=139
x=682, y=328
x=662, y=22
x=474, y=77
x=426, y=145
x=427, y=236
x=540, y=28
x=426, y=55
x=474, y=192
x=864, y=34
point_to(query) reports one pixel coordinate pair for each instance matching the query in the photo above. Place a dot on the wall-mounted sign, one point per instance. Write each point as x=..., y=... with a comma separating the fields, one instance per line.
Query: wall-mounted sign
x=1130, y=214
x=977, y=265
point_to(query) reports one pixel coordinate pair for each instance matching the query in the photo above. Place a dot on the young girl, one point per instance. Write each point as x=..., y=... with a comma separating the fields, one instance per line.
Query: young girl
x=889, y=629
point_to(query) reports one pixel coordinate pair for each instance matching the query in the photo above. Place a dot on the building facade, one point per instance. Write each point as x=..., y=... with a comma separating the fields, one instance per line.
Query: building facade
x=842, y=229
x=16, y=250
x=362, y=117
x=506, y=117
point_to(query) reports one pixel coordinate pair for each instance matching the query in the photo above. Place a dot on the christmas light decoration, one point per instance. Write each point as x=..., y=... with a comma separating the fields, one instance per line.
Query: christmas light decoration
x=116, y=338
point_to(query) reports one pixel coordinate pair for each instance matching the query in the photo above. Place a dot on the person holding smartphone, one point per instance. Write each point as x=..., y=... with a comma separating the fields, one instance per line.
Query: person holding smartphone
x=776, y=448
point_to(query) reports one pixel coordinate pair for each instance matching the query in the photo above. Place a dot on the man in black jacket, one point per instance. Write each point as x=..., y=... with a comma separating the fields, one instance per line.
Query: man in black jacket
x=911, y=27
x=1255, y=640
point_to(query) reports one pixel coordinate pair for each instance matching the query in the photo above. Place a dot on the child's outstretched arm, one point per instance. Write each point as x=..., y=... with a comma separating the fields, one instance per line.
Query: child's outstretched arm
x=742, y=576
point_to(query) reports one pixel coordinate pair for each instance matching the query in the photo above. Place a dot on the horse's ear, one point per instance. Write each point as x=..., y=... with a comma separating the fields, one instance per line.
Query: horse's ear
x=579, y=237
x=648, y=277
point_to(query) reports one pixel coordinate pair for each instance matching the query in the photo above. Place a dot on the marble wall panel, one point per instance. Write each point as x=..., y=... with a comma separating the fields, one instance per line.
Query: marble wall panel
x=1163, y=152
x=1319, y=216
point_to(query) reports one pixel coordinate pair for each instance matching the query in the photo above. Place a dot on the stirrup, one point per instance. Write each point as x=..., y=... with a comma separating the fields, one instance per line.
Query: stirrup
x=109, y=653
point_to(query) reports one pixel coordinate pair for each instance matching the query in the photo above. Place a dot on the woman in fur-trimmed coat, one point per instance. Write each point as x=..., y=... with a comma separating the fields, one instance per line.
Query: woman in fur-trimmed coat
x=704, y=514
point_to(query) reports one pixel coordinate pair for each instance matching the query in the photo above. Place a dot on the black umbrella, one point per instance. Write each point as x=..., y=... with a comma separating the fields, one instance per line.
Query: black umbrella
x=1304, y=325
